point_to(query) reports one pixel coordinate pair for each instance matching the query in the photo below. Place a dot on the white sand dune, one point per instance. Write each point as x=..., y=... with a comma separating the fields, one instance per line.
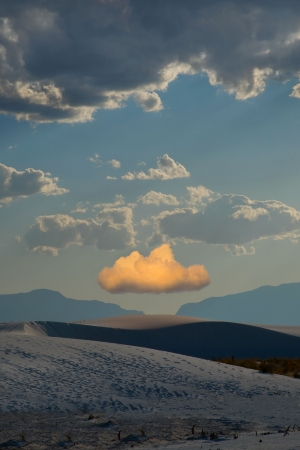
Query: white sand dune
x=53, y=366
x=42, y=373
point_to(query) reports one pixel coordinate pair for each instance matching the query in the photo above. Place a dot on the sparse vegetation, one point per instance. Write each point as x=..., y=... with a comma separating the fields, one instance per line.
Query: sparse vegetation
x=280, y=366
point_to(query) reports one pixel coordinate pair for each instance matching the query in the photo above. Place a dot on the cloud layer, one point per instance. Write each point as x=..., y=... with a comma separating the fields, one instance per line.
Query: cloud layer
x=231, y=220
x=16, y=184
x=111, y=230
x=60, y=61
x=156, y=273
x=167, y=169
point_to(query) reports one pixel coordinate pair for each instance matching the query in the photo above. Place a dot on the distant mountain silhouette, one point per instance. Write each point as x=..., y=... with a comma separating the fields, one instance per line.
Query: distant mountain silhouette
x=276, y=305
x=43, y=304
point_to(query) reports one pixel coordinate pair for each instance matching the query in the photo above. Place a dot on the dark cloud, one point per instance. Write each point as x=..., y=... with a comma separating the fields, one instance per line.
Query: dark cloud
x=111, y=230
x=15, y=184
x=231, y=220
x=61, y=60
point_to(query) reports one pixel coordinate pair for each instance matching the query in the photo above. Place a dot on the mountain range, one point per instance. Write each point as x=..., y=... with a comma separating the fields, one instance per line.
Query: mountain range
x=44, y=304
x=276, y=305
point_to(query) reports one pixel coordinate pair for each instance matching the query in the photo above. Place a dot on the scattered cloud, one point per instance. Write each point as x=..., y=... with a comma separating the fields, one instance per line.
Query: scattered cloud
x=111, y=230
x=239, y=250
x=157, y=198
x=81, y=207
x=167, y=169
x=114, y=163
x=96, y=159
x=141, y=163
x=119, y=200
x=157, y=273
x=149, y=101
x=16, y=184
x=232, y=221
x=111, y=178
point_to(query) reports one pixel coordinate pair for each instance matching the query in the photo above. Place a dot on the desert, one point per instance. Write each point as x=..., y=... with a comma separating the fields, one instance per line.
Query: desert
x=89, y=390
x=149, y=224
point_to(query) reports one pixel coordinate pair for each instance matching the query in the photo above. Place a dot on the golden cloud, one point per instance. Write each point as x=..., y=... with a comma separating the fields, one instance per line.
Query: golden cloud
x=157, y=273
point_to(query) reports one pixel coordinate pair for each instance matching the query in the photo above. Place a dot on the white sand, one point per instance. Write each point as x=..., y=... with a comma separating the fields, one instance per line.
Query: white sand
x=44, y=373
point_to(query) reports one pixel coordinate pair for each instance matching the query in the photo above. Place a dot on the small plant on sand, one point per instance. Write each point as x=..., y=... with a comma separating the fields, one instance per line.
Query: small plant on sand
x=22, y=436
x=68, y=437
x=91, y=417
x=213, y=436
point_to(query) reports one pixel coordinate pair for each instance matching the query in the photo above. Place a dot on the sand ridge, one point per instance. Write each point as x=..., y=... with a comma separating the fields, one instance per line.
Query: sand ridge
x=145, y=322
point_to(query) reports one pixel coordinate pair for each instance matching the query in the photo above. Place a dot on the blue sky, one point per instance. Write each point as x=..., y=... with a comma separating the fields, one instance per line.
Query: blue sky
x=217, y=135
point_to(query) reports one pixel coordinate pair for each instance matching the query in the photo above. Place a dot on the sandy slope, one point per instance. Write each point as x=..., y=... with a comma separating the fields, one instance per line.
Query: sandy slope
x=60, y=374
x=42, y=369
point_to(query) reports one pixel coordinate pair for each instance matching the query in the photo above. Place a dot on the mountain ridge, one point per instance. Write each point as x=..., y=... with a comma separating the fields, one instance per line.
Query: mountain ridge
x=276, y=305
x=48, y=305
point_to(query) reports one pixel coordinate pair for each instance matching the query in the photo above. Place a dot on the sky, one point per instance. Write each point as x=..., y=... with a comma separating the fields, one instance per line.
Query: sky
x=130, y=127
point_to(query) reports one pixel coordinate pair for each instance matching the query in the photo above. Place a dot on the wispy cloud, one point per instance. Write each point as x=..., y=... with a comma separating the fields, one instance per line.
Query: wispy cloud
x=96, y=159
x=114, y=163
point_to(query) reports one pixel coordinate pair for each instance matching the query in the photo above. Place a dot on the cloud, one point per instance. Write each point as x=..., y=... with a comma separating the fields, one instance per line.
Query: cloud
x=167, y=169
x=199, y=194
x=111, y=230
x=157, y=273
x=232, y=221
x=239, y=250
x=16, y=184
x=149, y=101
x=119, y=201
x=61, y=61
x=81, y=207
x=157, y=198
x=114, y=163
x=111, y=178
x=96, y=159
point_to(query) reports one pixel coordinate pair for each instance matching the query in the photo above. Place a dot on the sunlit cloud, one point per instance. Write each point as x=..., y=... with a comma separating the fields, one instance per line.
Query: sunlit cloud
x=157, y=273
x=167, y=169
x=149, y=101
x=158, y=198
